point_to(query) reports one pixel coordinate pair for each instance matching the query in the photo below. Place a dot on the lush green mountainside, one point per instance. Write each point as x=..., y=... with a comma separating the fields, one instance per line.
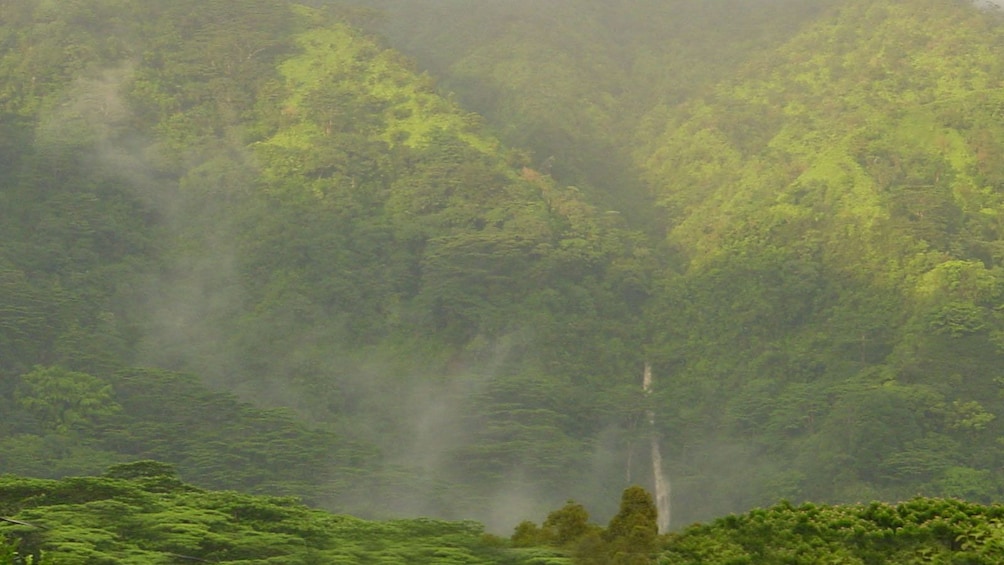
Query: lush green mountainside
x=825, y=324
x=570, y=80
x=265, y=197
x=834, y=215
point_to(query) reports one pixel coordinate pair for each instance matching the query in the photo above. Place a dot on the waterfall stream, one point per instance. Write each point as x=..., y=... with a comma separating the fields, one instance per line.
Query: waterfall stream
x=660, y=477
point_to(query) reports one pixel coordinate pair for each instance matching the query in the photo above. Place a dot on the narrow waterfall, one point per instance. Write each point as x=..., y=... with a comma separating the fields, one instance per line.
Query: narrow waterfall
x=661, y=478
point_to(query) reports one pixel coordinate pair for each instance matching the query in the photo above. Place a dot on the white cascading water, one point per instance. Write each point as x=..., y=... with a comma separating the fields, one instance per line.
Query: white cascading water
x=661, y=478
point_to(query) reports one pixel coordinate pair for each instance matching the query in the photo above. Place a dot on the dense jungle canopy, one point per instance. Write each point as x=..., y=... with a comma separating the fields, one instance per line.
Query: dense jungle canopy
x=410, y=258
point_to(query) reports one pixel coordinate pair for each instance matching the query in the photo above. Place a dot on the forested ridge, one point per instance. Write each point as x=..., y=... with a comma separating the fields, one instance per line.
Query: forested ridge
x=140, y=512
x=409, y=259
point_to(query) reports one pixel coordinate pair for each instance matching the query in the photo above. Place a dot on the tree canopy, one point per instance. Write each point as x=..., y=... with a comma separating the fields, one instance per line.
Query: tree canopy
x=408, y=258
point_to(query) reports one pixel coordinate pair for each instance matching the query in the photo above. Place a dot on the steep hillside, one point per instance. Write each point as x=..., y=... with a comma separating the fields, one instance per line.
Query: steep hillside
x=399, y=278
x=260, y=199
x=262, y=196
x=825, y=325
x=569, y=80
x=834, y=213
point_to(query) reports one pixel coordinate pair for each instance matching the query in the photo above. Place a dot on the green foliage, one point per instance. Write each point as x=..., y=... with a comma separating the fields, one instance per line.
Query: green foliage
x=265, y=197
x=571, y=80
x=632, y=535
x=63, y=400
x=568, y=524
x=9, y=555
x=630, y=538
x=69, y=422
x=527, y=534
x=917, y=531
x=791, y=211
x=837, y=290
x=124, y=518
